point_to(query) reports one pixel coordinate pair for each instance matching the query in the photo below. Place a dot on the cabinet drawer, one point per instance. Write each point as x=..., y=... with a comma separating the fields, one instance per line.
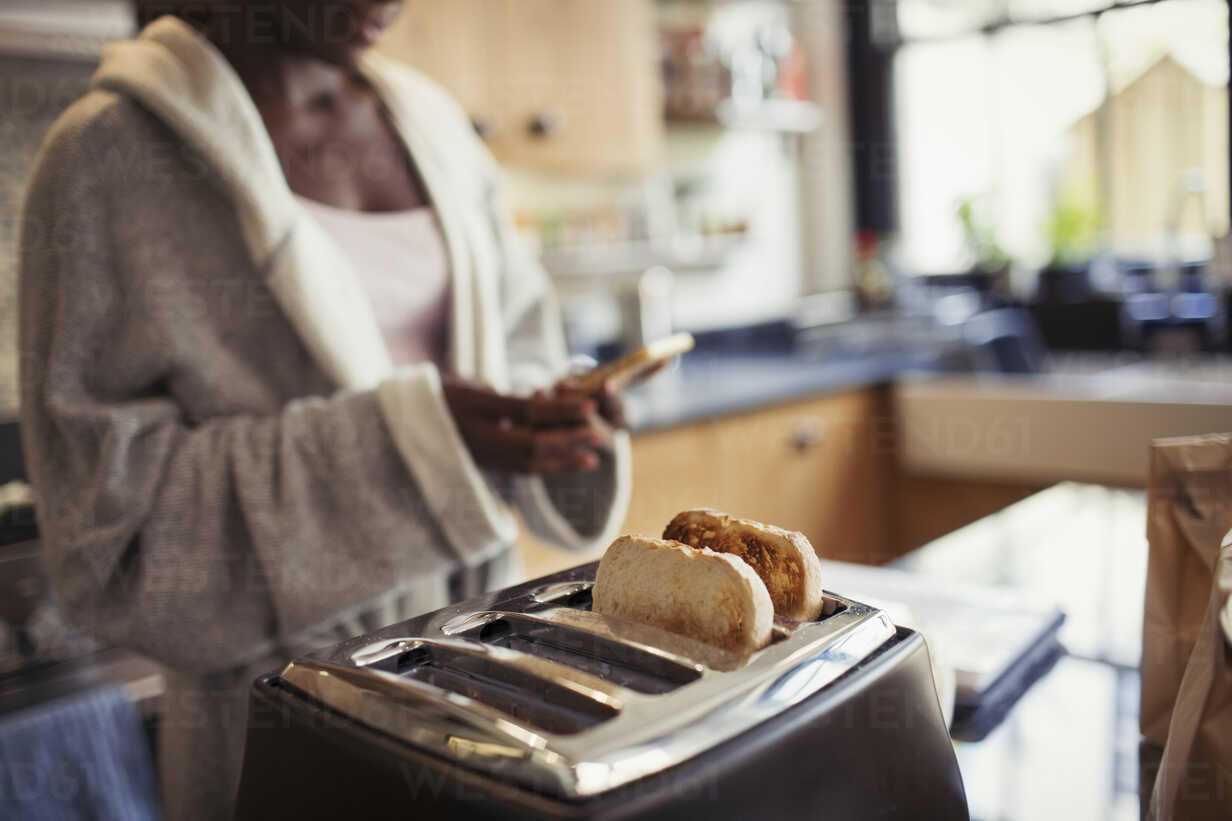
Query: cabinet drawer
x=821, y=466
x=673, y=470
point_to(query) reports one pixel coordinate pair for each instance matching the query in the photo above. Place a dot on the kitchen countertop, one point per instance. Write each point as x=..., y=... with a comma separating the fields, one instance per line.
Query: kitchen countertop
x=706, y=383
x=1081, y=419
x=140, y=678
x=1068, y=749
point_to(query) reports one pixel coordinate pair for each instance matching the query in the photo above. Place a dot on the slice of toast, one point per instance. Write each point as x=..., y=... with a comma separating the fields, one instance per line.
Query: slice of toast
x=703, y=595
x=784, y=560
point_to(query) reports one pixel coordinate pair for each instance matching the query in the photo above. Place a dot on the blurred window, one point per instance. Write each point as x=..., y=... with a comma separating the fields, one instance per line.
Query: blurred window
x=1064, y=127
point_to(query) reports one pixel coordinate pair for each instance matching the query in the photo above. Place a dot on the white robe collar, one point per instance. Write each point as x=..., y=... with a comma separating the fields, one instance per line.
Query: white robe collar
x=178, y=74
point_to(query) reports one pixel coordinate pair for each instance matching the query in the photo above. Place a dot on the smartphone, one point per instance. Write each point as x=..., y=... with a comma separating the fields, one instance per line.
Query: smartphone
x=632, y=366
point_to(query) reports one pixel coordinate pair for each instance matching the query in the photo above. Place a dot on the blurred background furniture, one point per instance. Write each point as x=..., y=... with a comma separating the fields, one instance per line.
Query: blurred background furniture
x=563, y=87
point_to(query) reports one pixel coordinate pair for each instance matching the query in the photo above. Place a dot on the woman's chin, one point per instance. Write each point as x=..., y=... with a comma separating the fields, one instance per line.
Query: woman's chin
x=347, y=51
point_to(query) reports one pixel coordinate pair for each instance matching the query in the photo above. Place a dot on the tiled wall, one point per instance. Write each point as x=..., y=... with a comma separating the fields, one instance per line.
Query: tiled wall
x=33, y=92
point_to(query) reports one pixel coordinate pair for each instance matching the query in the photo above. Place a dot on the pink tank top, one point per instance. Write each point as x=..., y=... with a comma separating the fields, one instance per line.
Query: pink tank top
x=401, y=262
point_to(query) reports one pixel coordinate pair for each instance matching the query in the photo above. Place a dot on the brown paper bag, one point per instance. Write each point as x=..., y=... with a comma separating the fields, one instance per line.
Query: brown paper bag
x=1189, y=510
x=1195, y=774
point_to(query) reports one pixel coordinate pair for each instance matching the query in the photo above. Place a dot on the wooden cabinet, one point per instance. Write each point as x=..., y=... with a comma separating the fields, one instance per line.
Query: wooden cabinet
x=451, y=42
x=826, y=466
x=823, y=466
x=931, y=506
x=567, y=86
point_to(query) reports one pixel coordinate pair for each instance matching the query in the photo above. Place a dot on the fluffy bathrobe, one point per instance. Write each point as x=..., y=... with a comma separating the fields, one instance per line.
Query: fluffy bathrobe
x=228, y=467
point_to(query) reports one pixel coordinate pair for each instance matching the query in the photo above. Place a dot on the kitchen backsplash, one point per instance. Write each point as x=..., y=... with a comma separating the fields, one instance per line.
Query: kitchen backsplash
x=33, y=92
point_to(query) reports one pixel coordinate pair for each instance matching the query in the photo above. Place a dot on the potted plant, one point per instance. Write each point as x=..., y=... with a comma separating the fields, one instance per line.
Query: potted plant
x=981, y=238
x=1072, y=231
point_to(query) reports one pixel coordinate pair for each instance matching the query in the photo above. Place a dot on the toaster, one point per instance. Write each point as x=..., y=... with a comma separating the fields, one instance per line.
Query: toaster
x=524, y=703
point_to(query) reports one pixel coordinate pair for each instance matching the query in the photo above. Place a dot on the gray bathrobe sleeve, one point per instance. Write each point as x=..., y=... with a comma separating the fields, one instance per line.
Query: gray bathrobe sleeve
x=198, y=513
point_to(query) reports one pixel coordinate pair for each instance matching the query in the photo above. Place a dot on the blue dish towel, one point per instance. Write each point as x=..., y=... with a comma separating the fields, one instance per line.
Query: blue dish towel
x=83, y=757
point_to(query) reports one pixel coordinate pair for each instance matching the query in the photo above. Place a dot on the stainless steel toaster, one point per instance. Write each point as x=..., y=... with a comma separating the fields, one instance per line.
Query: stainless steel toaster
x=525, y=704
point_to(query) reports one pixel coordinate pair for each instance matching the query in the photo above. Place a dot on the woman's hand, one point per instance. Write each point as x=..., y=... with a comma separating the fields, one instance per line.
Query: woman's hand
x=556, y=432
x=609, y=402
x=610, y=398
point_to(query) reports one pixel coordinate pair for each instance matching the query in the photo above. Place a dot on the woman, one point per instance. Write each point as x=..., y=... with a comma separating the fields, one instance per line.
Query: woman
x=283, y=362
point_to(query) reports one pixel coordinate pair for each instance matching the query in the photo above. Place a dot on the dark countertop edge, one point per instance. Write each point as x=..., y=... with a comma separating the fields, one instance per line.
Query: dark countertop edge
x=141, y=679
x=832, y=378
x=752, y=404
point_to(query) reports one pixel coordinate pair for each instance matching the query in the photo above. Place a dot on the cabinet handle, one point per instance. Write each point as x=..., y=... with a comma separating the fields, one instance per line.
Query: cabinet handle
x=546, y=124
x=807, y=434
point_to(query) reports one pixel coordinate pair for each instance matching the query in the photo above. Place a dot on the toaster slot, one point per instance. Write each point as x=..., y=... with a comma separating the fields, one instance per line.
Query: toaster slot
x=831, y=606
x=580, y=600
x=608, y=659
x=534, y=701
x=565, y=594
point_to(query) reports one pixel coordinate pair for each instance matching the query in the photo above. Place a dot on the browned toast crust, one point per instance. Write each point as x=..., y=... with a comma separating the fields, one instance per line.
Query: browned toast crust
x=785, y=561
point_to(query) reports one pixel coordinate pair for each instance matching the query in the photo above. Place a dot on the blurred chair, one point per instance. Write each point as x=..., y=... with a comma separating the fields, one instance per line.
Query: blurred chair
x=12, y=464
x=1005, y=340
x=23, y=581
